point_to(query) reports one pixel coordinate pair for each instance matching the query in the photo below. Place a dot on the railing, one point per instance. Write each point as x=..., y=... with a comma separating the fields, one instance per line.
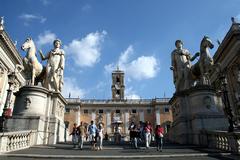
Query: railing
x=12, y=141
x=162, y=99
x=123, y=101
x=221, y=140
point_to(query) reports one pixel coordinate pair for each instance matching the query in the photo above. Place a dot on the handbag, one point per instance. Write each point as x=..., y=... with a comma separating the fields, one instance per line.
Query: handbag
x=161, y=135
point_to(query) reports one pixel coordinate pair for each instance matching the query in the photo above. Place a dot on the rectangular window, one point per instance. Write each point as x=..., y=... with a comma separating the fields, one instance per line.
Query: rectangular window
x=134, y=111
x=85, y=111
x=100, y=111
x=67, y=110
x=149, y=111
x=118, y=111
x=166, y=109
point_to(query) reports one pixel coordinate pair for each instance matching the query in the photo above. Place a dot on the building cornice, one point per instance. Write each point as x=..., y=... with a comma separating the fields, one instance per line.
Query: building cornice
x=10, y=48
x=13, y=55
x=231, y=37
x=112, y=103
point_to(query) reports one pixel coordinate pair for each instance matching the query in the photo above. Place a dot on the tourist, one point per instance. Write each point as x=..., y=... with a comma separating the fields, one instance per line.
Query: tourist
x=133, y=134
x=106, y=137
x=92, y=130
x=141, y=131
x=148, y=132
x=117, y=134
x=159, y=131
x=75, y=134
x=131, y=130
x=137, y=136
x=100, y=136
x=82, y=133
x=87, y=136
x=95, y=140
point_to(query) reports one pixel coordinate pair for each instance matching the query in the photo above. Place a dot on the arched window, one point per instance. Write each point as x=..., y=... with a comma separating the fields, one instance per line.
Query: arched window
x=117, y=79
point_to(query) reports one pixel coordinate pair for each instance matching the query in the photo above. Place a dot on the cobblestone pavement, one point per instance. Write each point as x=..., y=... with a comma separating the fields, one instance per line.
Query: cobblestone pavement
x=118, y=152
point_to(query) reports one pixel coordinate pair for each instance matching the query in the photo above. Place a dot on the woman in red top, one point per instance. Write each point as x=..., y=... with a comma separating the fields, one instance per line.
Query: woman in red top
x=159, y=131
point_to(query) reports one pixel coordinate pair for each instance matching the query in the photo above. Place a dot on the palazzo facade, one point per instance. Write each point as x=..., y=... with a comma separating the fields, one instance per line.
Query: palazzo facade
x=118, y=110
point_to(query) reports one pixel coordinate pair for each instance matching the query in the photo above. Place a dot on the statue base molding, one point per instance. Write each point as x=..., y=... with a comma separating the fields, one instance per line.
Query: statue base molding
x=194, y=110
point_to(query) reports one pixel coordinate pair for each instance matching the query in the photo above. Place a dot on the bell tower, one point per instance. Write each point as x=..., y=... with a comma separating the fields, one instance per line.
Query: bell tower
x=118, y=84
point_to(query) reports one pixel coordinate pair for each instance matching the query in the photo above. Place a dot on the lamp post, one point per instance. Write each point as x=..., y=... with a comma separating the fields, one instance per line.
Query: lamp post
x=227, y=108
x=7, y=110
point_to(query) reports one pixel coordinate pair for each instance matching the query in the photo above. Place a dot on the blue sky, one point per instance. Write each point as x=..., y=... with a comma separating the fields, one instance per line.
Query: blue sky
x=138, y=35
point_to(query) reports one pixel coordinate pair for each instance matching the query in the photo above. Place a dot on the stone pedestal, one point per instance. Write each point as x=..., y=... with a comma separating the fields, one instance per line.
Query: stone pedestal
x=56, y=122
x=37, y=108
x=31, y=101
x=194, y=110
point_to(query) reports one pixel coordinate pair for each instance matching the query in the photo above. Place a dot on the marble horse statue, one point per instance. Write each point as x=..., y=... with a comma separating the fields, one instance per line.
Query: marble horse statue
x=200, y=70
x=32, y=67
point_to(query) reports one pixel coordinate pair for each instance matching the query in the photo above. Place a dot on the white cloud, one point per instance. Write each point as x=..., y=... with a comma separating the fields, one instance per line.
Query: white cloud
x=87, y=51
x=45, y=2
x=144, y=67
x=86, y=8
x=71, y=86
x=27, y=18
x=124, y=57
x=45, y=38
x=110, y=67
x=131, y=94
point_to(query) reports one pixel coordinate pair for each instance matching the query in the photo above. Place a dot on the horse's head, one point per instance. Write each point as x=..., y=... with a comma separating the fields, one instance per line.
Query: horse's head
x=27, y=44
x=207, y=43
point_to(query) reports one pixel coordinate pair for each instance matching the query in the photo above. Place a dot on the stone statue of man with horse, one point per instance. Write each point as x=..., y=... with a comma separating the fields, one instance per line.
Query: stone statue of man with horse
x=50, y=76
x=186, y=75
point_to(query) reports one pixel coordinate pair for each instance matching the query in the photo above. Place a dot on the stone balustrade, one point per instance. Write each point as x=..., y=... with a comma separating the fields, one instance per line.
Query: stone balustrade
x=12, y=141
x=222, y=140
x=111, y=101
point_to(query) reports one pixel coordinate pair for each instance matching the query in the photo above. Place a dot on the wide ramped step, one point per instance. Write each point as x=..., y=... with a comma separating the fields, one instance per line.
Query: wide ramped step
x=122, y=151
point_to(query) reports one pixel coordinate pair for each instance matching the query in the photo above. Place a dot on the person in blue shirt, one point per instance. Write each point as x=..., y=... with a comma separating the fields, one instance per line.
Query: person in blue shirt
x=92, y=131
